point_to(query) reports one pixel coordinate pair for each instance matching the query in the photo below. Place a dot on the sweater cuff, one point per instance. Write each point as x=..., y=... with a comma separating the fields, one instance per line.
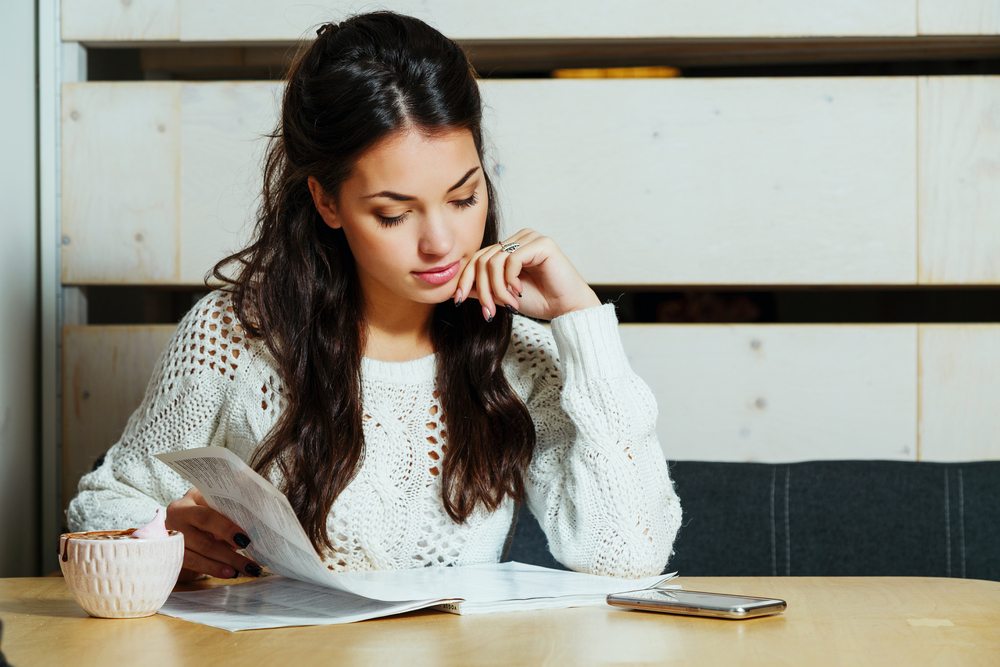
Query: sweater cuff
x=589, y=343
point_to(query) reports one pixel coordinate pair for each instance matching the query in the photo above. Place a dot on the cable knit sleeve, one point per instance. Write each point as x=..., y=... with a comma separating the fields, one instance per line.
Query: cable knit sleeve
x=181, y=409
x=598, y=482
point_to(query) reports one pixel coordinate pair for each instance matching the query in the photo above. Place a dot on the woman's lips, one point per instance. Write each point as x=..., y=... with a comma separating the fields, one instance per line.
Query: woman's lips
x=439, y=277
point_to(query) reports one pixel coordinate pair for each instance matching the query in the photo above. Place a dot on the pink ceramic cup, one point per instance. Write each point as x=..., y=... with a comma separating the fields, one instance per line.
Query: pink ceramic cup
x=114, y=575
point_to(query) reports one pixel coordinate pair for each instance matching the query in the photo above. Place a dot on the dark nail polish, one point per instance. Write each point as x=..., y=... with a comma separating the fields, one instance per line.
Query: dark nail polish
x=489, y=319
x=242, y=540
x=253, y=569
x=459, y=302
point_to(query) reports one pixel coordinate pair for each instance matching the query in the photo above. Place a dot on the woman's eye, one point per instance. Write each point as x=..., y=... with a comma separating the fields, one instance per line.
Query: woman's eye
x=391, y=222
x=466, y=203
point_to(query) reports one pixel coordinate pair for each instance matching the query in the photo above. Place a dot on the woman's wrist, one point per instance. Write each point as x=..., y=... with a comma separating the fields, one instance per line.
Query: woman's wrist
x=589, y=300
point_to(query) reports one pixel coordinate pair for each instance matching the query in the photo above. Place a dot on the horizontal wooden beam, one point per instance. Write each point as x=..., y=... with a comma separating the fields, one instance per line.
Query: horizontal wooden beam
x=770, y=393
x=96, y=22
x=288, y=20
x=716, y=182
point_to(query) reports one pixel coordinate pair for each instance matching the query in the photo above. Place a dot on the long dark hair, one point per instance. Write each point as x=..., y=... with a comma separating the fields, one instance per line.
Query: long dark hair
x=297, y=287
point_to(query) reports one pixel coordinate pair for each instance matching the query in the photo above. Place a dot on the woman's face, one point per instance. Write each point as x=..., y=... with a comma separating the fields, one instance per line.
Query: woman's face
x=412, y=204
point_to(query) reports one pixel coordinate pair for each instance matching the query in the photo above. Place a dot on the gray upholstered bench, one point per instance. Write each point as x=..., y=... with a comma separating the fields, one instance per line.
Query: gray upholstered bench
x=825, y=518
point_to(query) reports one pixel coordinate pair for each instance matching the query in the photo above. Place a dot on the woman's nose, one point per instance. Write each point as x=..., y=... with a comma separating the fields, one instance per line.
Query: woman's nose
x=436, y=237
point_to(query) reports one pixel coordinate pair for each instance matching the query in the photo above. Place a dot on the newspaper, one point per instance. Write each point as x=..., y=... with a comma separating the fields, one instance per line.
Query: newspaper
x=279, y=602
x=234, y=489
x=302, y=591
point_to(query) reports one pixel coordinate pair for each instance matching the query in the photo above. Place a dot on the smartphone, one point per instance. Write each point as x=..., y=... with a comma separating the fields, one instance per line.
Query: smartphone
x=697, y=603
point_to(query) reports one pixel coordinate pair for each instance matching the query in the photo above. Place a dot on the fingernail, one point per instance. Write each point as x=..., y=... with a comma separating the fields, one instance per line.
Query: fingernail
x=459, y=297
x=242, y=540
x=486, y=314
x=511, y=308
x=253, y=569
x=229, y=573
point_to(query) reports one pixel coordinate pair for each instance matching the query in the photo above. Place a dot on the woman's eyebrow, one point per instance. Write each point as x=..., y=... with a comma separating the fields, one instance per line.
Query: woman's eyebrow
x=399, y=197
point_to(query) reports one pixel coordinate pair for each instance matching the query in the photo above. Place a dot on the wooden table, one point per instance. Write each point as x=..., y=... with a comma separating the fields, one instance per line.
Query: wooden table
x=835, y=621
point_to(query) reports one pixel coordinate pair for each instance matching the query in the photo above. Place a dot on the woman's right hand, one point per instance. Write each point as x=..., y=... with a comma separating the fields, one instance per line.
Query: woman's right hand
x=210, y=540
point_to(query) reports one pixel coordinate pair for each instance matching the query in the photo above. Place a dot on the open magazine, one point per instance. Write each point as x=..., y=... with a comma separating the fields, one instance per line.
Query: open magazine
x=300, y=590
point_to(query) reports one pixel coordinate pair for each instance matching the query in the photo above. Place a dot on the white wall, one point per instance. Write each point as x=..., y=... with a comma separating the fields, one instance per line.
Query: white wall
x=19, y=445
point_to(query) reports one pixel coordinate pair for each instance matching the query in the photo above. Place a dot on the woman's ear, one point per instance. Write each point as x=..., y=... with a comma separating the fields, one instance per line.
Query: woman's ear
x=324, y=204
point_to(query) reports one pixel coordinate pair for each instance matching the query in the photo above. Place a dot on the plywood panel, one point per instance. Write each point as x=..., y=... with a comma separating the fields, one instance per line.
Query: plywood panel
x=776, y=393
x=286, y=20
x=696, y=181
x=958, y=17
x=808, y=181
x=105, y=372
x=564, y=18
x=959, y=180
x=120, y=159
x=959, y=392
x=119, y=20
x=222, y=150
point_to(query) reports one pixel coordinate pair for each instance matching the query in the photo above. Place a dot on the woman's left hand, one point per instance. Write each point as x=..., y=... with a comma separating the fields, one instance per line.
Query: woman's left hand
x=536, y=279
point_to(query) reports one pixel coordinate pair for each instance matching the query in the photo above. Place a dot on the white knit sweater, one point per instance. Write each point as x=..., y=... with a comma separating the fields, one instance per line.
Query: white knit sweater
x=598, y=482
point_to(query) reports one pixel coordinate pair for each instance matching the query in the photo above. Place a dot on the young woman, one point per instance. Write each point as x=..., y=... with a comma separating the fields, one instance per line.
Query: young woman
x=377, y=354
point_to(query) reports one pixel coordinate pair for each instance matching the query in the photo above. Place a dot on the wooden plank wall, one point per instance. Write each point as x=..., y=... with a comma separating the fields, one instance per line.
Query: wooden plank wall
x=958, y=188
x=794, y=181
x=287, y=20
x=724, y=392
x=810, y=181
x=105, y=372
x=262, y=21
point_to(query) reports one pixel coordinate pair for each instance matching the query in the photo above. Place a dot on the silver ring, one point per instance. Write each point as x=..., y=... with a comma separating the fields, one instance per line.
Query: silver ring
x=510, y=247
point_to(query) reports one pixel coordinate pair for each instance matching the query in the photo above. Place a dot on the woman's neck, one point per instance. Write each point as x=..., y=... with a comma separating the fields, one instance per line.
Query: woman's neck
x=398, y=332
